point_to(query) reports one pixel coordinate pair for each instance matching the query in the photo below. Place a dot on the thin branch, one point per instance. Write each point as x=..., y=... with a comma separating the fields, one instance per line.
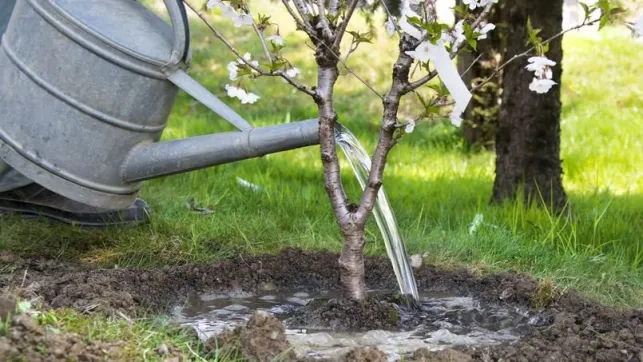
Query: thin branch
x=386, y=141
x=342, y=27
x=351, y=50
x=231, y=47
x=324, y=20
x=528, y=52
x=471, y=65
x=483, y=15
x=259, y=34
x=391, y=18
x=303, y=24
x=261, y=39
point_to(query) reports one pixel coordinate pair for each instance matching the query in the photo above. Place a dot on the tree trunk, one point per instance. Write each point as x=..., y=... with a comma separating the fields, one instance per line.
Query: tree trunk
x=528, y=133
x=481, y=116
x=351, y=263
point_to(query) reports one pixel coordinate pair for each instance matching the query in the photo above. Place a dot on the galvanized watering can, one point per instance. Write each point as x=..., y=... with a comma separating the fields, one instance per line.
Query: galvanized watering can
x=86, y=88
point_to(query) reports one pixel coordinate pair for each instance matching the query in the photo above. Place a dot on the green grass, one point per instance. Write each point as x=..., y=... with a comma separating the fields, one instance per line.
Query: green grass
x=435, y=187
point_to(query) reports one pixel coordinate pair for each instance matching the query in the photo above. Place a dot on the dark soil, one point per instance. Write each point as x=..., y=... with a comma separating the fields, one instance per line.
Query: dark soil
x=263, y=338
x=25, y=340
x=572, y=328
x=347, y=314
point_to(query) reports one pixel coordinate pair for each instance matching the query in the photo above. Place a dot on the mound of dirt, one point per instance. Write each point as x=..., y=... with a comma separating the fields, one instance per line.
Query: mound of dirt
x=25, y=340
x=263, y=338
x=366, y=354
x=347, y=315
x=446, y=355
x=572, y=328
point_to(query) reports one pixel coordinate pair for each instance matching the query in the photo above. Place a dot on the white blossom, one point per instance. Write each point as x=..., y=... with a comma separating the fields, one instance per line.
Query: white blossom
x=233, y=67
x=456, y=35
x=478, y=3
x=245, y=97
x=248, y=58
x=277, y=39
x=486, y=2
x=232, y=70
x=292, y=72
x=424, y=52
x=390, y=26
x=541, y=86
x=243, y=19
x=484, y=30
x=471, y=3
x=228, y=12
x=540, y=66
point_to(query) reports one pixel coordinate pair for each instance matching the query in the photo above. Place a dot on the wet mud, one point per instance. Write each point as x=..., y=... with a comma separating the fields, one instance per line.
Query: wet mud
x=569, y=327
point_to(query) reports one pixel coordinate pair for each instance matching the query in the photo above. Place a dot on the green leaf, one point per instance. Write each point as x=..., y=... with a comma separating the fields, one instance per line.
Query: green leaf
x=278, y=64
x=617, y=10
x=415, y=21
x=434, y=30
x=588, y=11
x=604, y=20
x=361, y=37
x=471, y=36
x=440, y=89
x=460, y=9
x=473, y=43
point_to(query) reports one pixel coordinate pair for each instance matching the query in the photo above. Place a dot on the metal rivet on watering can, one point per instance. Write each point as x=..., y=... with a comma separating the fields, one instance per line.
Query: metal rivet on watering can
x=99, y=79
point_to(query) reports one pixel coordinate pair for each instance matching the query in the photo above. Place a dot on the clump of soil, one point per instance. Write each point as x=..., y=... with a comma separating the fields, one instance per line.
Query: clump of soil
x=25, y=340
x=8, y=304
x=366, y=354
x=572, y=328
x=263, y=338
x=347, y=314
x=445, y=355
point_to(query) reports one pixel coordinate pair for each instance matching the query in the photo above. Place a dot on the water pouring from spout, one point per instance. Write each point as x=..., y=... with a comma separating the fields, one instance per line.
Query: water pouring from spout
x=361, y=164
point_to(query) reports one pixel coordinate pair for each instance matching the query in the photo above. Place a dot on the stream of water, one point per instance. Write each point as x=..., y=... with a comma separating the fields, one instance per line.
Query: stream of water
x=361, y=165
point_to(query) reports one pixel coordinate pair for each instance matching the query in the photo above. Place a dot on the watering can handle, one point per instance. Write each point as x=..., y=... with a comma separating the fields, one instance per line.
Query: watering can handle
x=180, y=51
x=181, y=27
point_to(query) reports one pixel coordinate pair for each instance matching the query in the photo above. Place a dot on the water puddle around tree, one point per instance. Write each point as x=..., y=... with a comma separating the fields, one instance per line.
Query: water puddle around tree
x=361, y=164
x=447, y=321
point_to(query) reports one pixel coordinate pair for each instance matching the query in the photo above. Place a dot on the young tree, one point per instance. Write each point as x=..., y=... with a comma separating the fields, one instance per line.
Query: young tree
x=423, y=41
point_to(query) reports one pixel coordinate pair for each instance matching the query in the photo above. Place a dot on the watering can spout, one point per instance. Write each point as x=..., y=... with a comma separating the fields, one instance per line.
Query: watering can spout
x=152, y=160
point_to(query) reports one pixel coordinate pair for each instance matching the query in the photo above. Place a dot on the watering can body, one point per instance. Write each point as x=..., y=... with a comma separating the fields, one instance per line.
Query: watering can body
x=86, y=89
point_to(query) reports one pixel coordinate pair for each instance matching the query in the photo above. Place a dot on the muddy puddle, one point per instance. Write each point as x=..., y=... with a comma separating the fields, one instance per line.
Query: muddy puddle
x=484, y=316
x=442, y=321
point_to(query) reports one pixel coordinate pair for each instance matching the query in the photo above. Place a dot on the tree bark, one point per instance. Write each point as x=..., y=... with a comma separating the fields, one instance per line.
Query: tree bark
x=528, y=160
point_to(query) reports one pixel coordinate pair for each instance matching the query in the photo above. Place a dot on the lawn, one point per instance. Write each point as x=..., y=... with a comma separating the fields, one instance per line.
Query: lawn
x=436, y=188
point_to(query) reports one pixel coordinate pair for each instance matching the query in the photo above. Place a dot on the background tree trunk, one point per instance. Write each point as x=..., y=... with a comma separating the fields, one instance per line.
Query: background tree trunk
x=528, y=133
x=481, y=116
